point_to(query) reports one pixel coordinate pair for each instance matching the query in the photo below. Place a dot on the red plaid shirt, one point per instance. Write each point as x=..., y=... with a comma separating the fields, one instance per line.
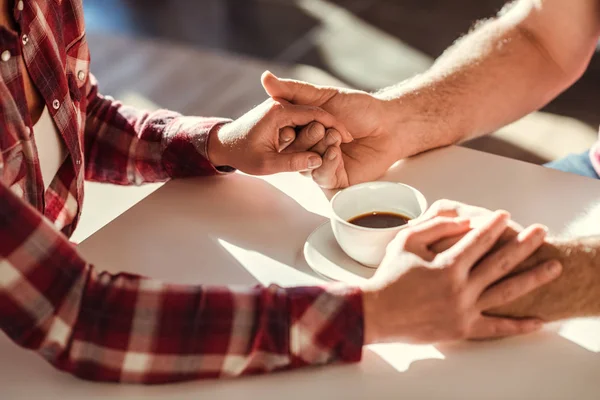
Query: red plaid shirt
x=124, y=327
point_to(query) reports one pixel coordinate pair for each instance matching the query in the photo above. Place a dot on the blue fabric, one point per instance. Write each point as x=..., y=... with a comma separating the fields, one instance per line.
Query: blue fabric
x=579, y=164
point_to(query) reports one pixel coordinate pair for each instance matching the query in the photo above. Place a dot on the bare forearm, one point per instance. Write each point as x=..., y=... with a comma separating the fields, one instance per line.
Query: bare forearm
x=493, y=76
x=576, y=293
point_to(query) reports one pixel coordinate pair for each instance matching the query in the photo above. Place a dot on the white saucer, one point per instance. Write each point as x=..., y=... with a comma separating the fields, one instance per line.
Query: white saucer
x=325, y=257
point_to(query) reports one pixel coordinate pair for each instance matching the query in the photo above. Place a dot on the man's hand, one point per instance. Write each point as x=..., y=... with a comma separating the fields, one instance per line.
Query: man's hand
x=453, y=209
x=253, y=144
x=573, y=294
x=418, y=296
x=503, y=70
x=373, y=150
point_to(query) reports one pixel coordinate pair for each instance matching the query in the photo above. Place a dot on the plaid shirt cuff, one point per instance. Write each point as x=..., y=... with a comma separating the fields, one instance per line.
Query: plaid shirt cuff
x=326, y=324
x=186, y=147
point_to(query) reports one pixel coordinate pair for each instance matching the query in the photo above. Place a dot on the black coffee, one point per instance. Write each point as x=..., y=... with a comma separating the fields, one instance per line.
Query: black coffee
x=380, y=220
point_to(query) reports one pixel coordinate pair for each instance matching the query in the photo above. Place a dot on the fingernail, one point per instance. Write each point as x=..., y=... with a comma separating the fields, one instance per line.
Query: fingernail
x=314, y=162
x=331, y=139
x=331, y=155
x=284, y=145
x=286, y=139
x=554, y=267
x=541, y=231
x=503, y=214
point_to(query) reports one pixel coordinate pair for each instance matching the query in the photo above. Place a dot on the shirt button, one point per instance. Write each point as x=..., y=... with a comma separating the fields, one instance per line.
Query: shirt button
x=56, y=104
x=20, y=5
x=25, y=39
x=81, y=75
x=78, y=162
x=5, y=55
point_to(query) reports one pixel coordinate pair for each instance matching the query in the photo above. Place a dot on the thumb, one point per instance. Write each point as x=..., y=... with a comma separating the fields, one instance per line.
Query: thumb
x=295, y=162
x=296, y=92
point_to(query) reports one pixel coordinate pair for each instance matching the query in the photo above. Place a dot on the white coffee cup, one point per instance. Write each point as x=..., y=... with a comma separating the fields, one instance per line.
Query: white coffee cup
x=368, y=245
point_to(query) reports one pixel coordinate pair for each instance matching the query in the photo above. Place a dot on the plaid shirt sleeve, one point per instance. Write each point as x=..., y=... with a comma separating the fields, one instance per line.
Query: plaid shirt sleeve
x=127, y=328
x=124, y=145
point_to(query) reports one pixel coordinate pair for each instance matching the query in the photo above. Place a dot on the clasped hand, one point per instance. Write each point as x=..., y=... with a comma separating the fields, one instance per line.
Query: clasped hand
x=443, y=274
x=264, y=140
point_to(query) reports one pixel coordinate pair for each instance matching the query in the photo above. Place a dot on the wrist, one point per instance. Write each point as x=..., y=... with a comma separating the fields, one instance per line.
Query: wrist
x=371, y=312
x=421, y=109
x=216, y=149
x=573, y=294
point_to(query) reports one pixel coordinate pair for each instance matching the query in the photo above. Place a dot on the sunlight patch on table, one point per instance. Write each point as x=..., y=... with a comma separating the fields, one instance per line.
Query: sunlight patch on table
x=303, y=190
x=584, y=332
x=401, y=356
x=266, y=270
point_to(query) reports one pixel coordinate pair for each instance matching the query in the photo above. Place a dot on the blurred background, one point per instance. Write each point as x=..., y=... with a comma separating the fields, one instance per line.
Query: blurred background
x=205, y=57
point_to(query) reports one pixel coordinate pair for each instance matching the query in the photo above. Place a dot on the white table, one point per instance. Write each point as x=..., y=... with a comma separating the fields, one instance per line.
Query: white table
x=240, y=230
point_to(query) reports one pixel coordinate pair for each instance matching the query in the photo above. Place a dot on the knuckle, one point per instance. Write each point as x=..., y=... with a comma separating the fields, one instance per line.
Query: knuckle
x=452, y=261
x=494, y=330
x=516, y=328
x=507, y=293
x=410, y=237
x=259, y=167
x=445, y=205
x=276, y=107
x=461, y=328
x=455, y=288
x=507, y=328
x=504, y=263
x=296, y=163
x=485, y=238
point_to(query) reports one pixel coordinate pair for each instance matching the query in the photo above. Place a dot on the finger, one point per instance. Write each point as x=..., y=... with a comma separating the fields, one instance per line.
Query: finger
x=509, y=233
x=286, y=137
x=451, y=208
x=441, y=208
x=502, y=261
x=495, y=328
x=295, y=91
x=417, y=239
x=477, y=242
x=331, y=174
x=519, y=285
x=332, y=138
x=445, y=244
x=308, y=137
x=301, y=93
x=295, y=115
x=292, y=162
x=437, y=229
